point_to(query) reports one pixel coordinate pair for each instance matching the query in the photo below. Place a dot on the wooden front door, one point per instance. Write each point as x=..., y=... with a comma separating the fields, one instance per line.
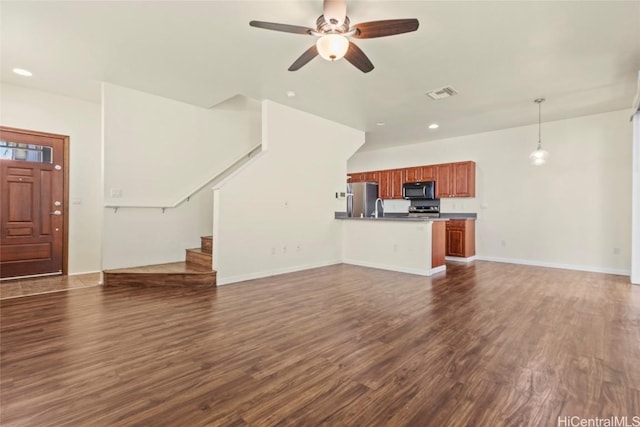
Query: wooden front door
x=34, y=206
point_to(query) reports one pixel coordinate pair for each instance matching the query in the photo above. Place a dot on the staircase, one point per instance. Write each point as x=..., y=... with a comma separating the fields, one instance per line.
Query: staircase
x=195, y=271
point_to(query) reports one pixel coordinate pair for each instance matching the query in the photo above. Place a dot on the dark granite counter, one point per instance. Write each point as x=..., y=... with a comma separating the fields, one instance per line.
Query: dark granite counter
x=388, y=217
x=459, y=215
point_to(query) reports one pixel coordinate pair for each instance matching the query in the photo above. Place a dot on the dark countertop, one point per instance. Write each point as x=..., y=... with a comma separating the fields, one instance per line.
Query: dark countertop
x=388, y=217
x=397, y=216
x=459, y=215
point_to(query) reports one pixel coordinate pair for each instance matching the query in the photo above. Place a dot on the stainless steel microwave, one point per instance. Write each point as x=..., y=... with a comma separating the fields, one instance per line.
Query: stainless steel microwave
x=424, y=190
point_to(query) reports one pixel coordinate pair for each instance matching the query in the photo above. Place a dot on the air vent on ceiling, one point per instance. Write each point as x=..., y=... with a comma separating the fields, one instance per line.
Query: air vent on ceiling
x=443, y=92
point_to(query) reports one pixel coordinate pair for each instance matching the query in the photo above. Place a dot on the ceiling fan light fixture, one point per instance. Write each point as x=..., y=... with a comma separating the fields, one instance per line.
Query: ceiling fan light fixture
x=332, y=46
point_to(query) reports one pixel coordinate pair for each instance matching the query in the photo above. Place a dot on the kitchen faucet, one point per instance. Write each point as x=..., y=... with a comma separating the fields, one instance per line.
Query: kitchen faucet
x=375, y=212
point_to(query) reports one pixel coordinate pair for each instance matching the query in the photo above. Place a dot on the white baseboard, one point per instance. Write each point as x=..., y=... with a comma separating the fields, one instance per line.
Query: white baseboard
x=620, y=272
x=84, y=272
x=437, y=270
x=460, y=259
x=259, y=275
x=417, y=271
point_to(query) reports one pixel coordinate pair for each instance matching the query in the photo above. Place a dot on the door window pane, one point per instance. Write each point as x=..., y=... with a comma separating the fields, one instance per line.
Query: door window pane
x=25, y=152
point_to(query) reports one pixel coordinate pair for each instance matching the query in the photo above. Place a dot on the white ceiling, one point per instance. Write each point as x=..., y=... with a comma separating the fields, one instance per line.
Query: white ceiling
x=582, y=56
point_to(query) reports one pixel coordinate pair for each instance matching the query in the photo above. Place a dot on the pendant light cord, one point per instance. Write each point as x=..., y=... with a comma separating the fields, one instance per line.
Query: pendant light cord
x=539, y=124
x=539, y=101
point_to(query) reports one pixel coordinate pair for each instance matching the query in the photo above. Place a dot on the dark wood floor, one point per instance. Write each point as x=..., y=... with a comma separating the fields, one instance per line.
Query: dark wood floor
x=483, y=344
x=16, y=288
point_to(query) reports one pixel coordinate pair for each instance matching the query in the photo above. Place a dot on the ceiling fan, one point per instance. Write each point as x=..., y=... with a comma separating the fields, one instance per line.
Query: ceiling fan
x=333, y=29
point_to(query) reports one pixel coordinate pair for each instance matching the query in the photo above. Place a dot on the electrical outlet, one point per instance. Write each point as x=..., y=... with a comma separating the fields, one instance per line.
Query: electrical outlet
x=395, y=247
x=284, y=249
x=298, y=248
x=116, y=193
x=273, y=251
x=503, y=243
x=616, y=251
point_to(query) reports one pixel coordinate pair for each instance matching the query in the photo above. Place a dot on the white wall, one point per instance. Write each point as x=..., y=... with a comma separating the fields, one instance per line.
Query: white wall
x=80, y=120
x=570, y=213
x=391, y=245
x=635, y=238
x=278, y=215
x=157, y=151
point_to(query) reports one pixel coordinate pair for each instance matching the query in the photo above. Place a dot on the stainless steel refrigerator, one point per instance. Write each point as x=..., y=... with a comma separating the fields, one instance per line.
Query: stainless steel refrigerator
x=361, y=198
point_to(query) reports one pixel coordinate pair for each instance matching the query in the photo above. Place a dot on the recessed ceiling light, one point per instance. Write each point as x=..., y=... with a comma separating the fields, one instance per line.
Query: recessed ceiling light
x=23, y=72
x=291, y=93
x=380, y=123
x=434, y=126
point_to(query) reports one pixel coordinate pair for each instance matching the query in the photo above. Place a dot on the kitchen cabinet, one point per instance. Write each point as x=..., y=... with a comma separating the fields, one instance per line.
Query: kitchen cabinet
x=390, y=183
x=461, y=238
x=428, y=173
x=420, y=173
x=363, y=177
x=413, y=174
x=452, y=179
x=456, y=180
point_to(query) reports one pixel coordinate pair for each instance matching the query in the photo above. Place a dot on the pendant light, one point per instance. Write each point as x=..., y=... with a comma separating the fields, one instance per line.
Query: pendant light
x=540, y=155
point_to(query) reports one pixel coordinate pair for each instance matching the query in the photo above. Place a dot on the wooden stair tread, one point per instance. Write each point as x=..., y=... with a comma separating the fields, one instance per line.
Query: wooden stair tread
x=169, y=268
x=182, y=274
x=199, y=250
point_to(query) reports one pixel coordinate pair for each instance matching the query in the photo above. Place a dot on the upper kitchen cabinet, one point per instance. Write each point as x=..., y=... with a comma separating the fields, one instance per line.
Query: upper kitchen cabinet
x=354, y=177
x=456, y=180
x=420, y=173
x=413, y=174
x=390, y=183
x=452, y=179
x=428, y=173
x=363, y=177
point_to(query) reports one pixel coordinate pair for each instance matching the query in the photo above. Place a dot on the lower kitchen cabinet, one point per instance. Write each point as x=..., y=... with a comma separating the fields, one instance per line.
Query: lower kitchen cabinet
x=461, y=238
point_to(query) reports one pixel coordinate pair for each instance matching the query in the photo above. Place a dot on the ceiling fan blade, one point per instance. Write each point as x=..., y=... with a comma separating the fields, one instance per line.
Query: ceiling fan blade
x=307, y=56
x=357, y=57
x=334, y=11
x=281, y=27
x=390, y=27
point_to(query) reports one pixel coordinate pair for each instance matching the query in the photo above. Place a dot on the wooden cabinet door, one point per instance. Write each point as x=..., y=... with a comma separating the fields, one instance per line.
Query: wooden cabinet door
x=397, y=179
x=443, y=181
x=464, y=179
x=384, y=185
x=370, y=176
x=455, y=242
x=413, y=174
x=455, y=238
x=355, y=177
x=461, y=238
x=428, y=173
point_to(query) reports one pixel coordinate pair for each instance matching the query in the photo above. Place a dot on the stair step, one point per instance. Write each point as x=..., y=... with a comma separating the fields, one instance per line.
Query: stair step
x=199, y=257
x=171, y=274
x=206, y=244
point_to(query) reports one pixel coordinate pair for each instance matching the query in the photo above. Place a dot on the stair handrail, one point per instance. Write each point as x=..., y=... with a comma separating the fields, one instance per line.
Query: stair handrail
x=226, y=171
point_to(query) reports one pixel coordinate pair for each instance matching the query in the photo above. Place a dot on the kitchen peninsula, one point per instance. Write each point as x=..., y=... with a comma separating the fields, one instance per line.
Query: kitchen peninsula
x=403, y=244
